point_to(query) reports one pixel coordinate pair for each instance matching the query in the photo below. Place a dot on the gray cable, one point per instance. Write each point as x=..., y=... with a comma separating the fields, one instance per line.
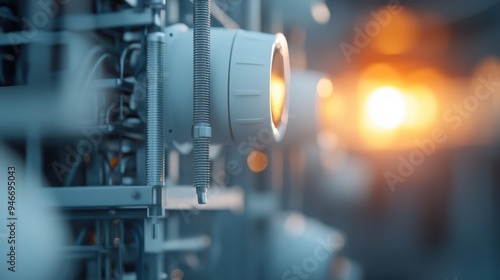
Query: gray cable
x=134, y=46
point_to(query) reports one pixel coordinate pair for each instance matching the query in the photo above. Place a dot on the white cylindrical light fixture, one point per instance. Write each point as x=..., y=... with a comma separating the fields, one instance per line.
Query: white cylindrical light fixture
x=249, y=84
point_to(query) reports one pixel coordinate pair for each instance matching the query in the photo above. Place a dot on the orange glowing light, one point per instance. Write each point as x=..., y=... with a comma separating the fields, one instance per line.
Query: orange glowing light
x=328, y=110
x=324, y=88
x=421, y=107
x=114, y=162
x=377, y=74
x=398, y=32
x=426, y=76
x=278, y=95
x=257, y=161
x=386, y=108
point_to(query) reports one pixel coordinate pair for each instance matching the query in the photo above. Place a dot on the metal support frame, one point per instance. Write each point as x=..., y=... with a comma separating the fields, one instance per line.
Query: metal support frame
x=178, y=197
x=84, y=22
x=125, y=18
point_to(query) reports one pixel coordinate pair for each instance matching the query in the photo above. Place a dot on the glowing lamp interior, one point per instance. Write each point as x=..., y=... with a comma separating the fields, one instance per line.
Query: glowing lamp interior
x=278, y=90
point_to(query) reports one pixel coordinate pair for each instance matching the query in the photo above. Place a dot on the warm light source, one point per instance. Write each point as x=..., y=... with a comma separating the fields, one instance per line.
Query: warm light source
x=421, y=107
x=398, y=34
x=386, y=108
x=394, y=105
x=249, y=84
x=278, y=98
x=324, y=88
x=257, y=161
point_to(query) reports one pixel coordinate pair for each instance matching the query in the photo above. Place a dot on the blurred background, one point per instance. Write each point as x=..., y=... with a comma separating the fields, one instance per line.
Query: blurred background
x=387, y=169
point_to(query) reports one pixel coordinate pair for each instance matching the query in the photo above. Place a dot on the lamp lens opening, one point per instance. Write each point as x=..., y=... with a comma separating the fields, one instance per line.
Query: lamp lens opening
x=278, y=88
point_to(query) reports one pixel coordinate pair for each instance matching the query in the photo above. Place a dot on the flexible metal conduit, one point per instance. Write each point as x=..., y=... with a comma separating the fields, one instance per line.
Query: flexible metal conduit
x=202, y=132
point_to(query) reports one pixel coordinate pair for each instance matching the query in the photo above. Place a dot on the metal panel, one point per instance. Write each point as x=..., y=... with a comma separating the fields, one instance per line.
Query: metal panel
x=125, y=18
x=181, y=197
x=99, y=197
x=83, y=22
x=177, y=197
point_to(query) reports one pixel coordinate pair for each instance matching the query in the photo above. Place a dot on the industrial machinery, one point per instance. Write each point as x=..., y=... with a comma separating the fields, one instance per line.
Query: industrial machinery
x=249, y=139
x=117, y=107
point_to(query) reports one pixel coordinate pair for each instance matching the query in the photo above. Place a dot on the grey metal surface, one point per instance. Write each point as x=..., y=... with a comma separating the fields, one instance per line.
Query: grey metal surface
x=43, y=107
x=42, y=37
x=190, y=244
x=83, y=22
x=181, y=198
x=101, y=196
x=177, y=197
x=125, y=18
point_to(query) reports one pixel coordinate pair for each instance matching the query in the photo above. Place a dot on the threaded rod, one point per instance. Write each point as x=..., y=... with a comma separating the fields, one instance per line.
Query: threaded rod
x=202, y=131
x=155, y=119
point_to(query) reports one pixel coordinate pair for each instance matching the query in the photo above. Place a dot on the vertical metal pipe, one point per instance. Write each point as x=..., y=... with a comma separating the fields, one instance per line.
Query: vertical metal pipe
x=202, y=132
x=253, y=15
